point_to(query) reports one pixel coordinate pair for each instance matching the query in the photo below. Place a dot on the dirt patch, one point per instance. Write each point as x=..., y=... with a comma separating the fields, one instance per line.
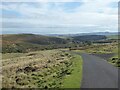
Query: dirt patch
x=26, y=69
x=32, y=54
x=29, y=69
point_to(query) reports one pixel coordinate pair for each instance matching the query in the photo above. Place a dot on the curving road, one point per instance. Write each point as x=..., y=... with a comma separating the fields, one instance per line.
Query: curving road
x=98, y=73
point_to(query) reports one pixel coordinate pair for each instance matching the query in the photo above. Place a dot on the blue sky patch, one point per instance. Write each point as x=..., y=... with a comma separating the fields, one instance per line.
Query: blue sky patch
x=114, y=4
x=10, y=14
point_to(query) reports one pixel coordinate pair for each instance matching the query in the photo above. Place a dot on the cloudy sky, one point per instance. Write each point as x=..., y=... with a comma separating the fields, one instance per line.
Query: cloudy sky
x=59, y=17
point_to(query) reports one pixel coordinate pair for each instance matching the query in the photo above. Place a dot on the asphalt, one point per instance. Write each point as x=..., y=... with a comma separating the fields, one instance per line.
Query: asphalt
x=98, y=73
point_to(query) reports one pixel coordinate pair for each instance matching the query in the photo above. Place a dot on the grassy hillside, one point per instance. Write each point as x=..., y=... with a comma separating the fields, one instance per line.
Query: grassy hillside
x=29, y=42
x=113, y=36
x=41, y=69
x=31, y=38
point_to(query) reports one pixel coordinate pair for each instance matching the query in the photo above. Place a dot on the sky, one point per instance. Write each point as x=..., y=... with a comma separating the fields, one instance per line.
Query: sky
x=58, y=17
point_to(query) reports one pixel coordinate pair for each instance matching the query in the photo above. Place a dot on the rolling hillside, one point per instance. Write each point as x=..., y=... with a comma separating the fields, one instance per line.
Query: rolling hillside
x=31, y=38
x=29, y=42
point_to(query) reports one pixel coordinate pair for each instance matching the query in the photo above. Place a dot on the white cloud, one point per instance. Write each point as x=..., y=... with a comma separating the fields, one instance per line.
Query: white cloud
x=92, y=13
x=41, y=0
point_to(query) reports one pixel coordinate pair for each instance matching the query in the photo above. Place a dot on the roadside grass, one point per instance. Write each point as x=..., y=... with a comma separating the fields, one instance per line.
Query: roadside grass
x=100, y=49
x=74, y=79
x=104, y=49
x=115, y=60
x=40, y=69
x=113, y=36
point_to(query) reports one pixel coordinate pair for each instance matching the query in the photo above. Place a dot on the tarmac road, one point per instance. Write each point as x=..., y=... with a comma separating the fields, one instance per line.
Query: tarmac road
x=98, y=73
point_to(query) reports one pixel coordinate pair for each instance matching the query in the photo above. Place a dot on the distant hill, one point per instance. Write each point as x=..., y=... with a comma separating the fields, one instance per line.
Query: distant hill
x=31, y=38
x=28, y=42
x=101, y=33
x=81, y=34
x=89, y=38
x=31, y=42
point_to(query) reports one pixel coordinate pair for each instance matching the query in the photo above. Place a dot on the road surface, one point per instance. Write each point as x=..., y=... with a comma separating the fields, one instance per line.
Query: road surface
x=98, y=73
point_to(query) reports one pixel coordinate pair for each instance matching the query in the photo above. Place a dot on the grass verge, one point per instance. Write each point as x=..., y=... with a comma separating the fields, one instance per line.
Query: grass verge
x=41, y=69
x=74, y=79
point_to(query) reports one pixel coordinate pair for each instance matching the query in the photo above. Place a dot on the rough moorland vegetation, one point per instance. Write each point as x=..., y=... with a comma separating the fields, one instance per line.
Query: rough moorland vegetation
x=42, y=69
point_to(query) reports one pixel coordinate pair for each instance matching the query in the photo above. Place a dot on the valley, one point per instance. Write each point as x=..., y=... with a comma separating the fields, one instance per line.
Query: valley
x=37, y=61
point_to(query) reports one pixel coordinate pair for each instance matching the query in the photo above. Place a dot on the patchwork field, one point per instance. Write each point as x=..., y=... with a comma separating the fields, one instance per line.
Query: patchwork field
x=41, y=69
